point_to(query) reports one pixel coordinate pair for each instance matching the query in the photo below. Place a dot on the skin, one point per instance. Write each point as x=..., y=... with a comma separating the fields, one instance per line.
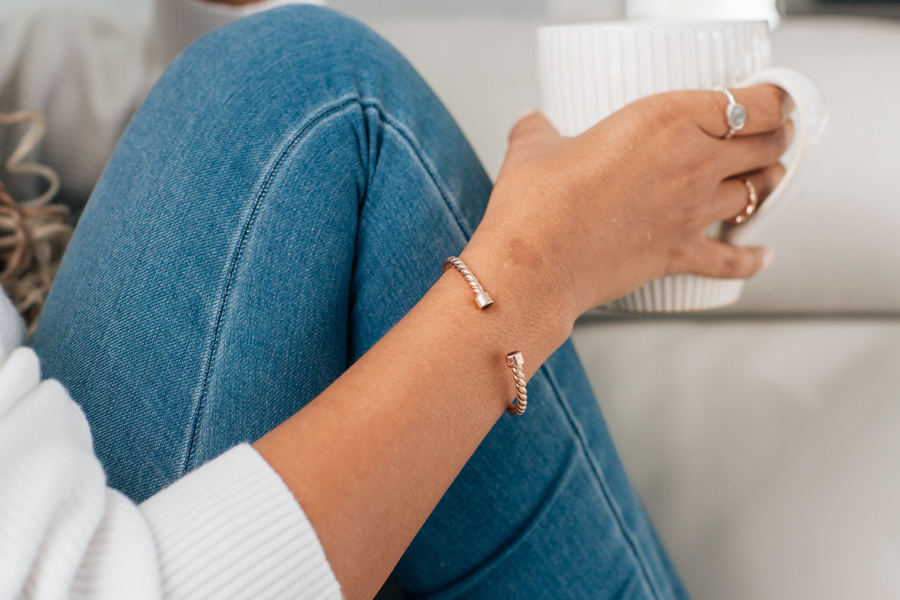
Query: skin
x=572, y=223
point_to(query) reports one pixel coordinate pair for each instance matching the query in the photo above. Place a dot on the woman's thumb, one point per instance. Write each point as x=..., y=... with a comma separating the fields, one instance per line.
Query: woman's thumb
x=533, y=123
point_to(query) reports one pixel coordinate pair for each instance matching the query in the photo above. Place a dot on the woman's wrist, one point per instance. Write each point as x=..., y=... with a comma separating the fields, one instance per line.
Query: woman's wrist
x=531, y=302
x=384, y=441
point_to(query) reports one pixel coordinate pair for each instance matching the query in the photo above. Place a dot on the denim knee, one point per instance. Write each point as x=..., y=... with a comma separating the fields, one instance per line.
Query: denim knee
x=307, y=46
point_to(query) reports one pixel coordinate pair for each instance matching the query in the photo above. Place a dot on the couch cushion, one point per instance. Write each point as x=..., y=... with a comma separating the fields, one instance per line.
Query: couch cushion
x=766, y=451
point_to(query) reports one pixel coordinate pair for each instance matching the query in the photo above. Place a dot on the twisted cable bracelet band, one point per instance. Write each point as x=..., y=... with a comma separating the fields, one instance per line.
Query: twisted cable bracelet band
x=514, y=360
x=482, y=298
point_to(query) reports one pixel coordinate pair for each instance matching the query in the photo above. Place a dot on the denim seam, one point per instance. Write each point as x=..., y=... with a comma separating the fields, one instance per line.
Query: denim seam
x=311, y=122
x=477, y=573
x=420, y=154
x=604, y=486
x=304, y=128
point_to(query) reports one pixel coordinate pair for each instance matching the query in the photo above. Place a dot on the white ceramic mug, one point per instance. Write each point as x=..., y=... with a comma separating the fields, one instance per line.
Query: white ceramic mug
x=589, y=71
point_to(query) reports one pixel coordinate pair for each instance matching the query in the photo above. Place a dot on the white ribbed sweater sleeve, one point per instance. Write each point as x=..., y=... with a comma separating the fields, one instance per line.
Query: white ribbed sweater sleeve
x=88, y=71
x=230, y=529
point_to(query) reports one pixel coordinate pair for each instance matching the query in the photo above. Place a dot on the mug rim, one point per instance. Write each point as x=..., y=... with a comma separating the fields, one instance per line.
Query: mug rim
x=661, y=23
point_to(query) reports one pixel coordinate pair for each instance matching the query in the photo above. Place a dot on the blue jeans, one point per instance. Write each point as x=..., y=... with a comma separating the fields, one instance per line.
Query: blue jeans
x=284, y=196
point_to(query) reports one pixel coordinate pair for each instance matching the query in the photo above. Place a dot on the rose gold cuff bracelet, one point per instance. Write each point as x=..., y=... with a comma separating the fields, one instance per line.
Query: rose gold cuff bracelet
x=514, y=360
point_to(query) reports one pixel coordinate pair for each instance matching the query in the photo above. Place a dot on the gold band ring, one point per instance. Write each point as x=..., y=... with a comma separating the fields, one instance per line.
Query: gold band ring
x=752, y=204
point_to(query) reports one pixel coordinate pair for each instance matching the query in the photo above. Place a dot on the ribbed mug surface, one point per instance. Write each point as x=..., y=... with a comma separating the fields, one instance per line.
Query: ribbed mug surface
x=588, y=71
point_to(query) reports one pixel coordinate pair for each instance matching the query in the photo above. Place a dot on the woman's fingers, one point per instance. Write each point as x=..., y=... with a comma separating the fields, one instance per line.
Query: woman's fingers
x=749, y=153
x=732, y=195
x=767, y=108
x=725, y=261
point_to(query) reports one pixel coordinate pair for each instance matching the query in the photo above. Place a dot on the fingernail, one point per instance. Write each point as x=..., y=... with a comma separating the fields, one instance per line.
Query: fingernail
x=768, y=257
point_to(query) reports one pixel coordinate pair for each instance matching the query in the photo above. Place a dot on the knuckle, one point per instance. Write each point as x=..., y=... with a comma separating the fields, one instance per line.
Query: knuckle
x=707, y=102
x=670, y=111
x=777, y=171
x=684, y=174
x=773, y=105
x=712, y=101
x=773, y=175
x=663, y=115
x=678, y=260
x=699, y=168
x=667, y=122
x=783, y=102
x=781, y=139
x=789, y=130
x=730, y=265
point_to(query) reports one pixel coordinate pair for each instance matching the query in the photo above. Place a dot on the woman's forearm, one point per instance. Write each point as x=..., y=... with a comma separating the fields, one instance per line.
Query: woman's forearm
x=370, y=457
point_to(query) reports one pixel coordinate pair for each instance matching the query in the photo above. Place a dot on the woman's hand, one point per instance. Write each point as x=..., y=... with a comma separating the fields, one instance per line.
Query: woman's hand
x=593, y=217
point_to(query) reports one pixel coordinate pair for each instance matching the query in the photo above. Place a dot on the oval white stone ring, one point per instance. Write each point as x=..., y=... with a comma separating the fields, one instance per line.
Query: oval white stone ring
x=735, y=114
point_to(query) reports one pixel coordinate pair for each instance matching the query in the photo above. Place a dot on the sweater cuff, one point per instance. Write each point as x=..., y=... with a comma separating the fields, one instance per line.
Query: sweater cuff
x=233, y=529
x=177, y=23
